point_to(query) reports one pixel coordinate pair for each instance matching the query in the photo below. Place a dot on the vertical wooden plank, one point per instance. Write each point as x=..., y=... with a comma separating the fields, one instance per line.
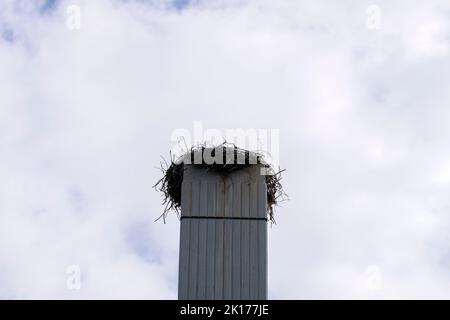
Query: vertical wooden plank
x=202, y=238
x=236, y=271
x=262, y=242
x=193, y=245
x=245, y=245
x=211, y=241
x=183, y=281
x=253, y=243
x=227, y=247
x=184, y=261
x=218, y=287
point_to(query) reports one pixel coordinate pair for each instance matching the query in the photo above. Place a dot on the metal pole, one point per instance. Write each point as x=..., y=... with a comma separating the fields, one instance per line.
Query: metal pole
x=223, y=238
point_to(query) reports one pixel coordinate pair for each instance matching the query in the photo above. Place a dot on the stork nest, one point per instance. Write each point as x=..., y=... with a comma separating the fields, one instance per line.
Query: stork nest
x=234, y=159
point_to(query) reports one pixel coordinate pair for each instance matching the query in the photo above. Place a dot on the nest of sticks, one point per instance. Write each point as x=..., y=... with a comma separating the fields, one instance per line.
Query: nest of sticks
x=233, y=159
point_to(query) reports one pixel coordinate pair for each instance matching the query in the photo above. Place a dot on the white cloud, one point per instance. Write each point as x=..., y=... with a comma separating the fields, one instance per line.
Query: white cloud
x=85, y=115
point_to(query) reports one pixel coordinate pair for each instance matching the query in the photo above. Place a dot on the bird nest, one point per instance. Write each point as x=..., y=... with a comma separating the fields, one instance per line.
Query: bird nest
x=231, y=159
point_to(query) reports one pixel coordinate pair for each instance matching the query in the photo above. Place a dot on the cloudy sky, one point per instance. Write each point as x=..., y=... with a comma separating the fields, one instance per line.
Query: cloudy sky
x=358, y=89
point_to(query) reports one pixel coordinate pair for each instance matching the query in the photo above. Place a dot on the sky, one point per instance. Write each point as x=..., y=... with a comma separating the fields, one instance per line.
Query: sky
x=359, y=91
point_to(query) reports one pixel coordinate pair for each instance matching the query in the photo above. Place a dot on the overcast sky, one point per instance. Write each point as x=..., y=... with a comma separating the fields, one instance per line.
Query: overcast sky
x=358, y=89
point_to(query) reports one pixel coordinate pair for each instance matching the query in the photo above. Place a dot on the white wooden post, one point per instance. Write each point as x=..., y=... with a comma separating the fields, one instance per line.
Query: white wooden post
x=223, y=238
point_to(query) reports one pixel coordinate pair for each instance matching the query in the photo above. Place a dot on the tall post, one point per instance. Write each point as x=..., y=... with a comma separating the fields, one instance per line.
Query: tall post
x=223, y=236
